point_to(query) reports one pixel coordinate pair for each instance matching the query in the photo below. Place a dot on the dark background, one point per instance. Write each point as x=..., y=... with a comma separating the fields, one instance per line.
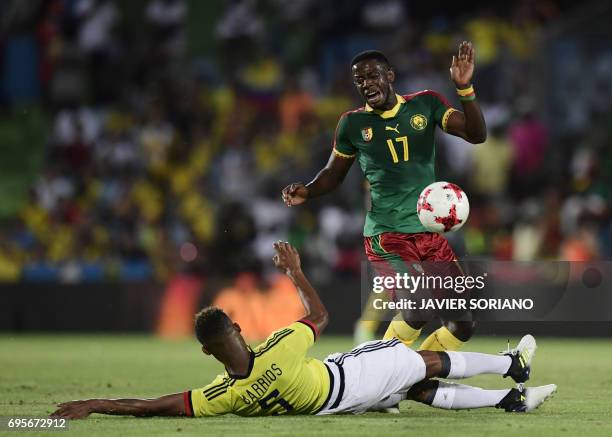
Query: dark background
x=146, y=140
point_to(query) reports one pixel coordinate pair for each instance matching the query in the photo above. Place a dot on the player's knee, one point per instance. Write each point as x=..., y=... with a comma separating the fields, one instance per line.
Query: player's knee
x=414, y=319
x=424, y=391
x=462, y=330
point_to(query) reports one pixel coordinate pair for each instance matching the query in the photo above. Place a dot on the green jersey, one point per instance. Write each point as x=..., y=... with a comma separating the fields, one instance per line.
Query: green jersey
x=396, y=153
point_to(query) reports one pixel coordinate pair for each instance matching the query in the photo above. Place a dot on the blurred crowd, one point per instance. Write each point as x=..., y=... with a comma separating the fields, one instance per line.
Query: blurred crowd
x=174, y=124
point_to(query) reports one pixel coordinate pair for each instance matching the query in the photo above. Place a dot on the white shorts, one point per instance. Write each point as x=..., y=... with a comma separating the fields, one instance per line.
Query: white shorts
x=371, y=372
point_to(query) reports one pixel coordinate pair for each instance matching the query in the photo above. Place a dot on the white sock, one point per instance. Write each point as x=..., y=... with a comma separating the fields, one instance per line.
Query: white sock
x=466, y=364
x=458, y=396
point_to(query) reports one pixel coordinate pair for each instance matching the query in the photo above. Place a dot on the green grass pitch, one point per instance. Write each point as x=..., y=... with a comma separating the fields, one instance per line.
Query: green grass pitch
x=39, y=371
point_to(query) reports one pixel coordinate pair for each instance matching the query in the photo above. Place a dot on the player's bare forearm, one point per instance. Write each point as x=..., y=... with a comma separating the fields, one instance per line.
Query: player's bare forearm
x=330, y=176
x=287, y=260
x=325, y=181
x=124, y=407
x=315, y=310
x=469, y=124
x=169, y=405
x=164, y=406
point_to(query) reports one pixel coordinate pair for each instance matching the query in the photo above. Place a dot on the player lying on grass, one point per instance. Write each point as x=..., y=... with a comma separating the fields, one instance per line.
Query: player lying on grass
x=276, y=377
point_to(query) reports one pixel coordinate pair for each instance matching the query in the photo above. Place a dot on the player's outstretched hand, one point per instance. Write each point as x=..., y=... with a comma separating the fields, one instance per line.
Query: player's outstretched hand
x=295, y=194
x=462, y=67
x=287, y=259
x=74, y=410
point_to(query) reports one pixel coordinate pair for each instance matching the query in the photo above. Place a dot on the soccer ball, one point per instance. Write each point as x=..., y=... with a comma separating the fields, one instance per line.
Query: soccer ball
x=443, y=207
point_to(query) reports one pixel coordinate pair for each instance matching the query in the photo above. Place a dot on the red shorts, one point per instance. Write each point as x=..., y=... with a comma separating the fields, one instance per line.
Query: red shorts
x=421, y=253
x=424, y=246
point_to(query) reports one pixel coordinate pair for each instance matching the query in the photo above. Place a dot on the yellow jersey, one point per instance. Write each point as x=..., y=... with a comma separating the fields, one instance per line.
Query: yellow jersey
x=280, y=380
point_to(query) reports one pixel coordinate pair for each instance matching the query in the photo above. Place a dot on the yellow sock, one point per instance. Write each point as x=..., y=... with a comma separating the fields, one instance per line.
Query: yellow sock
x=370, y=317
x=369, y=325
x=365, y=330
x=401, y=330
x=441, y=340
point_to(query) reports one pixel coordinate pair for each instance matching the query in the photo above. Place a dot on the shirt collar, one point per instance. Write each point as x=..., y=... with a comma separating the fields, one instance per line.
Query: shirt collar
x=390, y=112
x=249, y=370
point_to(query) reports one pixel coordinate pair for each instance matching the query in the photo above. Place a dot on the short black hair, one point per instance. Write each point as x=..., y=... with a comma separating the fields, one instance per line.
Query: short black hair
x=211, y=323
x=371, y=54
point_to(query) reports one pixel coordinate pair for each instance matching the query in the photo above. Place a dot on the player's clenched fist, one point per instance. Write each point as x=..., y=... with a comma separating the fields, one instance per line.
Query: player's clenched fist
x=287, y=259
x=295, y=194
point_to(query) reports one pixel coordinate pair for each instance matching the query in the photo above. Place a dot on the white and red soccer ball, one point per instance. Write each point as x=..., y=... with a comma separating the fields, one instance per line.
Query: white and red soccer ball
x=443, y=207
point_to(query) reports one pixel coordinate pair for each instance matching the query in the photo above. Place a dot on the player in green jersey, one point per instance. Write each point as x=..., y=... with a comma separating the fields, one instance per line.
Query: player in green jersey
x=392, y=137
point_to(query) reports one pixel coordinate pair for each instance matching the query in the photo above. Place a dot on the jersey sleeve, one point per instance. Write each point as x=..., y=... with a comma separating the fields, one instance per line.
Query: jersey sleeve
x=342, y=143
x=440, y=109
x=302, y=338
x=213, y=400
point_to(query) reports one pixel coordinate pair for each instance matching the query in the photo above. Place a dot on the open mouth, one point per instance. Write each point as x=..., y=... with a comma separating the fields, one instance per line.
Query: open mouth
x=373, y=96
